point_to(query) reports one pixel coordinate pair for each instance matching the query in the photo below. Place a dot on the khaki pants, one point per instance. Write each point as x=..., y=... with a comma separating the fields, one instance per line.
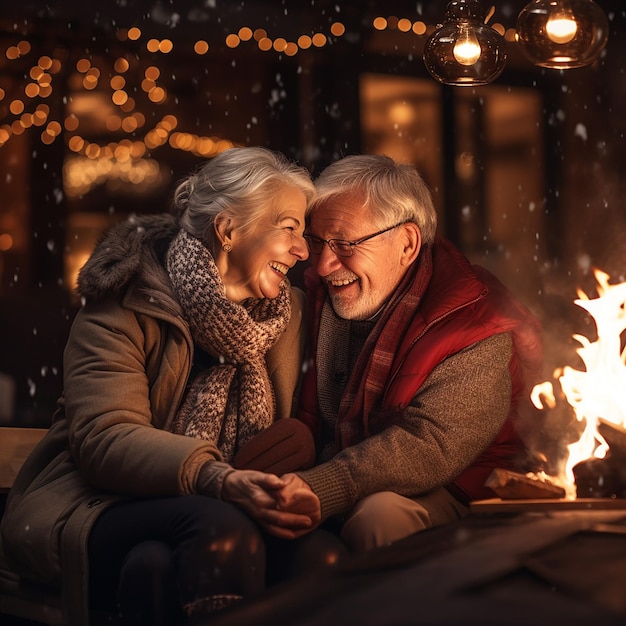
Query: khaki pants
x=385, y=517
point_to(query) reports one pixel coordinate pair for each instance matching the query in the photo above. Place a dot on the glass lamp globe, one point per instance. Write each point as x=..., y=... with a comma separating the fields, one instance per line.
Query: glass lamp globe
x=464, y=51
x=562, y=34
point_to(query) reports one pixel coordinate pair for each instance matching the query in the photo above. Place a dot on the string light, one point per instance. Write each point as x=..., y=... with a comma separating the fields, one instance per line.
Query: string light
x=41, y=85
x=468, y=54
x=464, y=50
x=562, y=34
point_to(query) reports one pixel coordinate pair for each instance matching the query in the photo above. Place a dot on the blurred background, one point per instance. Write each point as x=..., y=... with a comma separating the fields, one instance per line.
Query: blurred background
x=105, y=105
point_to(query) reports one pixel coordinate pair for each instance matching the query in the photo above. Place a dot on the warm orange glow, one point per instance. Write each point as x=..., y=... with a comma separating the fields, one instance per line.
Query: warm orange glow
x=117, y=82
x=139, y=118
x=40, y=116
x=71, y=122
x=76, y=143
x=152, y=72
x=152, y=45
x=119, y=97
x=54, y=128
x=32, y=90
x=47, y=138
x=92, y=150
x=265, y=44
x=82, y=65
x=319, y=40
x=232, y=41
x=129, y=124
x=17, y=128
x=201, y=47
x=337, y=29
x=113, y=123
x=404, y=25
x=121, y=65
x=280, y=44
x=157, y=95
x=245, y=33
x=169, y=122
x=90, y=82
x=129, y=105
x=16, y=107
x=134, y=33
x=379, y=23
x=291, y=49
x=597, y=392
x=23, y=47
x=304, y=41
x=166, y=46
x=6, y=241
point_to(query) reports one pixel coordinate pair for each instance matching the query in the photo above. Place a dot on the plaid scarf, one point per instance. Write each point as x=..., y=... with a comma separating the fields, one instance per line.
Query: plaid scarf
x=231, y=402
x=359, y=411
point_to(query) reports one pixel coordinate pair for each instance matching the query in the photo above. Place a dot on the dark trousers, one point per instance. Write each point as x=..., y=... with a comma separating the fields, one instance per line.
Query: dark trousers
x=150, y=558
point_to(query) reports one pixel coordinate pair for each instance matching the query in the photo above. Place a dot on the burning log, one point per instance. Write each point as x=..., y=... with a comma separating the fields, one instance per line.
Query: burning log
x=510, y=485
x=606, y=477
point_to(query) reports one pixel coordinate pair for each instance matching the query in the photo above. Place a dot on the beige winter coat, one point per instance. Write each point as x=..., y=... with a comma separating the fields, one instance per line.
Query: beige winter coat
x=126, y=364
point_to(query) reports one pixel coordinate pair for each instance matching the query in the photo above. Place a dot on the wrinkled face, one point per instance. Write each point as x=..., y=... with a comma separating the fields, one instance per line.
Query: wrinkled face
x=260, y=259
x=359, y=285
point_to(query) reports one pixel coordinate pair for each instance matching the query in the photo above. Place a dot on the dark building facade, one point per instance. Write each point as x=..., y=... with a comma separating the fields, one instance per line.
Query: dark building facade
x=103, y=109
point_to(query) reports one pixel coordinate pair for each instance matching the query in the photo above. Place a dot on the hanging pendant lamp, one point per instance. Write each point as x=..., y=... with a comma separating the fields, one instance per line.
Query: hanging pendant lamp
x=464, y=51
x=562, y=34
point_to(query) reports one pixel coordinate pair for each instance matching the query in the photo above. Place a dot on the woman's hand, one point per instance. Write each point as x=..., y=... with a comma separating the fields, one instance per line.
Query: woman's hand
x=296, y=496
x=279, y=505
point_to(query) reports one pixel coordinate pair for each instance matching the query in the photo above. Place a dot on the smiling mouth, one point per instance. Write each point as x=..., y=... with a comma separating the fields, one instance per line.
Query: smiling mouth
x=341, y=282
x=279, y=267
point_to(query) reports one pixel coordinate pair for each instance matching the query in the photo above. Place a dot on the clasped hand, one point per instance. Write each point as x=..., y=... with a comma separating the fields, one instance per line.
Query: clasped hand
x=285, y=506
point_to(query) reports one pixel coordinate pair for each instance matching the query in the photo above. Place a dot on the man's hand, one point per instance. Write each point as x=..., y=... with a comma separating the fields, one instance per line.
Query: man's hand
x=288, y=516
x=297, y=497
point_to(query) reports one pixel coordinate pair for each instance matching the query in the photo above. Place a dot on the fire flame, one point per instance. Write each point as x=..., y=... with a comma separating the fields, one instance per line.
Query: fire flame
x=598, y=392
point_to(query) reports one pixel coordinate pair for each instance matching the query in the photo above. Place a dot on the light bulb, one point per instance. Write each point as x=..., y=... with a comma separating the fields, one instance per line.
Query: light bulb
x=562, y=34
x=466, y=49
x=561, y=27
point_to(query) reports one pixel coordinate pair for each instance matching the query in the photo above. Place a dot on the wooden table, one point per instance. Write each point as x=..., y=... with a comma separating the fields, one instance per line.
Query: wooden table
x=541, y=566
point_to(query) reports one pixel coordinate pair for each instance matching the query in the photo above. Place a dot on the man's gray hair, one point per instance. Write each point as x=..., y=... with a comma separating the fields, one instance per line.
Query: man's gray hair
x=393, y=192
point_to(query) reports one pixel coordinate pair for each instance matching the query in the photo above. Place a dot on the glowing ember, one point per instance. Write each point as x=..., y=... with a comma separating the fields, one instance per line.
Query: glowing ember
x=598, y=392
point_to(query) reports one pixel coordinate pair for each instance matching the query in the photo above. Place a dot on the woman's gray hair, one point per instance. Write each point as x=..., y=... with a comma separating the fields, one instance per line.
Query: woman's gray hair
x=242, y=183
x=393, y=192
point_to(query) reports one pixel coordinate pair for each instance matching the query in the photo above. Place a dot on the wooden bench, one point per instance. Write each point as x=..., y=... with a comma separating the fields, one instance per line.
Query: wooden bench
x=17, y=598
x=15, y=446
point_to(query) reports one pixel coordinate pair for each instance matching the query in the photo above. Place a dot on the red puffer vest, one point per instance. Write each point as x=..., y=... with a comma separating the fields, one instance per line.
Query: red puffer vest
x=462, y=304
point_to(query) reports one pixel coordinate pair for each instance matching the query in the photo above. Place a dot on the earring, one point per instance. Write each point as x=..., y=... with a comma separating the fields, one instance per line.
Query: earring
x=227, y=247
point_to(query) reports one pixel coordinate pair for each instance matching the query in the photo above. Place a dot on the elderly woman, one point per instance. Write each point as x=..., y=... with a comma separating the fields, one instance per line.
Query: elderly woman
x=147, y=496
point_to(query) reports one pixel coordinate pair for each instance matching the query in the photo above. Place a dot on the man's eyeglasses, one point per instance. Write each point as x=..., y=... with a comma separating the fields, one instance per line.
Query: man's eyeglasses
x=341, y=247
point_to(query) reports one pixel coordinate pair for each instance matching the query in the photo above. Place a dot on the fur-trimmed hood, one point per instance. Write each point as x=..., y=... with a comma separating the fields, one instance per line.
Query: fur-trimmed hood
x=133, y=250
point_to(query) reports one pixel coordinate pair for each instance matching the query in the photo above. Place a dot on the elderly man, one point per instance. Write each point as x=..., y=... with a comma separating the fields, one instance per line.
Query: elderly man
x=419, y=360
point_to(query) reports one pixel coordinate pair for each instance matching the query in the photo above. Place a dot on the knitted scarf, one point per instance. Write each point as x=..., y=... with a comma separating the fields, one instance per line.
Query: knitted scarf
x=230, y=402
